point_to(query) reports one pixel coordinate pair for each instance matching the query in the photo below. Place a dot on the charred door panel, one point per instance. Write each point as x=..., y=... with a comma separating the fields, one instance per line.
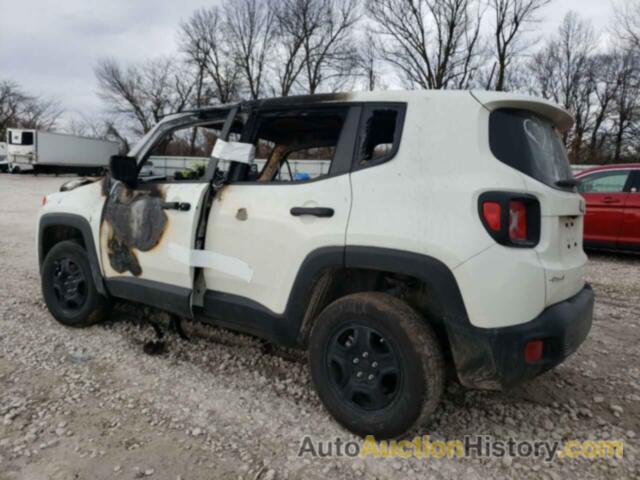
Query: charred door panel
x=136, y=221
x=141, y=238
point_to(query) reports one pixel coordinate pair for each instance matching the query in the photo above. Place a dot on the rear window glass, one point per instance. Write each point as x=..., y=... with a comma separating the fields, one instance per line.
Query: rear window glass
x=530, y=144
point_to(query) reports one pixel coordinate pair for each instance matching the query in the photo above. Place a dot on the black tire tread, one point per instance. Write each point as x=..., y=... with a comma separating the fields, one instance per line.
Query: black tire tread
x=98, y=306
x=422, y=339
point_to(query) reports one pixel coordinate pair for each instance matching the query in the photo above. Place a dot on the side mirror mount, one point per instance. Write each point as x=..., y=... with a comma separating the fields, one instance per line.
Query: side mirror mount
x=124, y=168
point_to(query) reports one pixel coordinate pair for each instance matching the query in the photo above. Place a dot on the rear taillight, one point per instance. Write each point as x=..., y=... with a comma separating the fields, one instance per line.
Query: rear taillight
x=492, y=213
x=512, y=219
x=517, y=221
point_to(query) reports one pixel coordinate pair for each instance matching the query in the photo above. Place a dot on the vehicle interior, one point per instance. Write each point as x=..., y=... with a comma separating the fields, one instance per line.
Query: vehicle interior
x=184, y=154
x=296, y=137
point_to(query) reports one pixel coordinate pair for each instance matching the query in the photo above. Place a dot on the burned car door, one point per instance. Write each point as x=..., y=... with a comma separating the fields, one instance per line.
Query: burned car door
x=148, y=230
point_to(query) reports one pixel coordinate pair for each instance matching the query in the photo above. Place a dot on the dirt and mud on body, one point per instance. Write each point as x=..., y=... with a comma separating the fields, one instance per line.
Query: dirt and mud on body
x=136, y=221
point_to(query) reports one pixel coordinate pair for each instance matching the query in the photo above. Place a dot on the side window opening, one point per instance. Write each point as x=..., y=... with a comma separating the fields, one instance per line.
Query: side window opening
x=635, y=185
x=380, y=134
x=185, y=153
x=604, y=182
x=297, y=145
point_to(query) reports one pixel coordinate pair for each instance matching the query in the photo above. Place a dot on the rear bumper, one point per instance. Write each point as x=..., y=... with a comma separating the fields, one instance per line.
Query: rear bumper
x=494, y=358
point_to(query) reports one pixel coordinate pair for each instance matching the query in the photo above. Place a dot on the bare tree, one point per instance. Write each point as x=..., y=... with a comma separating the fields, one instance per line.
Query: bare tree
x=80, y=124
x=368, y=62
x=204, y=39
x=123, y=91
x=315, y=46
x=11, y=100
x=289, y=60
x=627, y=18
x=143, y=94
x=432, y=43
x=329, y=52
x=40, y=113
x=626, y=106
x=511, y=19
x=18, y=109
x=606, y=89
x=250, y=26
x=565, y=73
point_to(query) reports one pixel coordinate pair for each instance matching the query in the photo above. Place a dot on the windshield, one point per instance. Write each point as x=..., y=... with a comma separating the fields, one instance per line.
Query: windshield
x=530, y=144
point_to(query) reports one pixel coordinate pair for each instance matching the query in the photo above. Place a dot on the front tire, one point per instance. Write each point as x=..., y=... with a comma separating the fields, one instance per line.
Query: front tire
x=68, y=287
x=376, y=364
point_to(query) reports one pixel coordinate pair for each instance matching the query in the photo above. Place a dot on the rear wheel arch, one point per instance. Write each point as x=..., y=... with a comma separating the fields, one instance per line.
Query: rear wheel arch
x=58, y=227
x=423, y=282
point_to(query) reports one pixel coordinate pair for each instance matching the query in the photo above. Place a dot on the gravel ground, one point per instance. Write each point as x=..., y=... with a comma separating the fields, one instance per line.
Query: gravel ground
x=88, y=404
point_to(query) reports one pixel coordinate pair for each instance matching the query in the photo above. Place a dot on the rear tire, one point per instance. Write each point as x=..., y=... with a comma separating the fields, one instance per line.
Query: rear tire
x=68, y=287
x=376, y=364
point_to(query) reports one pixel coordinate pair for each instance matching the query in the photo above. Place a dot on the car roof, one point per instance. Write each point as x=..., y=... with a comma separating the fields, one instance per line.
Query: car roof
x=489, y=99
x=604, y=168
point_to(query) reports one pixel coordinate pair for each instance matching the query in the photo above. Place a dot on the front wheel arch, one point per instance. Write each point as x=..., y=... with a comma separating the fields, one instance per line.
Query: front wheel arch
x=68, y=288
x=57, y=227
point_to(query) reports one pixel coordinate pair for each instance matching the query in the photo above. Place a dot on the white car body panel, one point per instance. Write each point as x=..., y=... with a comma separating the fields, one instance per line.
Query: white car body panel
x=86, y=202
x=271, y=241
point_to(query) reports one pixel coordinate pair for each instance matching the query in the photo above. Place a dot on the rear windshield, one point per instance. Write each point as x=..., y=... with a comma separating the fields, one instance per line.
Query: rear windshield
x=529, y=143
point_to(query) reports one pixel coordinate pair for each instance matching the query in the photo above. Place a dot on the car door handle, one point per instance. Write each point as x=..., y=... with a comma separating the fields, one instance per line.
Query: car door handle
x=182, y=206
x=315, y=211
x=610, y=200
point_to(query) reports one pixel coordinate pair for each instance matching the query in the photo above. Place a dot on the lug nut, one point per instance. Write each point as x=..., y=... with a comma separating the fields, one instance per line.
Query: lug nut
x=374, y=364
x=356, y=360
x=370, y=377
x=359, y=374
x=365, y=354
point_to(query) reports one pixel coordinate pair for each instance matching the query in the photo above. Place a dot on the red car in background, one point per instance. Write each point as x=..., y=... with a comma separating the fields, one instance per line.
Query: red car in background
x=612, y=193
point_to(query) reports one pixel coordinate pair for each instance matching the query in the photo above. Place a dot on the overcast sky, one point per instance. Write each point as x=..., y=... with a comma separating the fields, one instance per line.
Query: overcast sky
x=50, y=47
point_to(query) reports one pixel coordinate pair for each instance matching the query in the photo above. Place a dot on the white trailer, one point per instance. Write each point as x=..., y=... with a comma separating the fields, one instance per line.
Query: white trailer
x=46, y=152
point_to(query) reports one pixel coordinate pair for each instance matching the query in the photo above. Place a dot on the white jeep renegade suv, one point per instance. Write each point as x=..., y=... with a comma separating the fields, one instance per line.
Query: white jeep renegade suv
x=433, y=227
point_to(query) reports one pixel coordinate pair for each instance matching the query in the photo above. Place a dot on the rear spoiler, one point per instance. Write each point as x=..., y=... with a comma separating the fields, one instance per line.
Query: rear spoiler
x=494, y=100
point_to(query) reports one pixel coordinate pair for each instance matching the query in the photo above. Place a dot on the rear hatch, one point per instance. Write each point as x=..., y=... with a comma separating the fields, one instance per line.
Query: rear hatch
x=525, y=134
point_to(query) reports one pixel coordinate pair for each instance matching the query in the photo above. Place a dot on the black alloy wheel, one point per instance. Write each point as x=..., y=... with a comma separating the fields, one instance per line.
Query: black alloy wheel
x=364, y=367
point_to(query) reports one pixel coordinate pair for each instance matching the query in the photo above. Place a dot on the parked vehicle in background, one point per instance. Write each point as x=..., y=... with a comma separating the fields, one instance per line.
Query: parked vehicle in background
x=612, y=193
x=46, y=152
x=3, y=157
x=407, y=250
